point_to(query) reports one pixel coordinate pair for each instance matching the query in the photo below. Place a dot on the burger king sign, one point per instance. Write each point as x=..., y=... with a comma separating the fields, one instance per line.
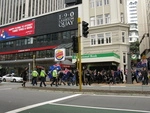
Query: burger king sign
x=60, y=54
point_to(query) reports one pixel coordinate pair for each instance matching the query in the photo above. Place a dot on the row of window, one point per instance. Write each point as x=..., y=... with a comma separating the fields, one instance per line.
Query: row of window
x=29, y=55
x=133, y=3
x=99, y=39
x=15, y=10
x=98, y=3
x=104, y=38
x=39, y=39
x=100, y=20
x=103, y=19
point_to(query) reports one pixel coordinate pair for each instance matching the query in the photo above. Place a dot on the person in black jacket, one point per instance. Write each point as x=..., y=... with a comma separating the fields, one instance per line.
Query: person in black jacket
x=133, y=73
x=77, y=77
x=24, y=76
x=144, y=77
x=88, y=77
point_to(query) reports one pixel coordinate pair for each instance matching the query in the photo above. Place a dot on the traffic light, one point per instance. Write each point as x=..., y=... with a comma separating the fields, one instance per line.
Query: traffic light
x=85, y=28
x=75, y=44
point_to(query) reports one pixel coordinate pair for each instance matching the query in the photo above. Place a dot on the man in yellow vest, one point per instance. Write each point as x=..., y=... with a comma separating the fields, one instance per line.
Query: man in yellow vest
x=55, y=76
x=34, y=75
x=43, y=77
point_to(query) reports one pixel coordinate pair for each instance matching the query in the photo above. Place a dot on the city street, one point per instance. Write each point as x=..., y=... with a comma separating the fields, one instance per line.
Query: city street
x=15, y=99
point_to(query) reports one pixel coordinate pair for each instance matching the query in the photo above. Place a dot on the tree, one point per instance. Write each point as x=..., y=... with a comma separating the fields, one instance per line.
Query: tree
x=134, y=47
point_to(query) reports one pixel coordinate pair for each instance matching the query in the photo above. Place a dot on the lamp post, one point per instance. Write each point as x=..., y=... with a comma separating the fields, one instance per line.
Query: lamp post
x=29, y=71
x=129, y=78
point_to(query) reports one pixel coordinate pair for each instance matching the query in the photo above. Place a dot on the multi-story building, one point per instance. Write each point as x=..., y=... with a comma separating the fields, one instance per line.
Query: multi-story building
x=132, y=20
x=148, y=23
x=49, y=25
x=143, y=28
x=107, y=45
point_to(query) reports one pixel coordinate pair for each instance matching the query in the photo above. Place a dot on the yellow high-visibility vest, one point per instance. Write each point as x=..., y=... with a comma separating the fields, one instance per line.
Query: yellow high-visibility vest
x=34, y=73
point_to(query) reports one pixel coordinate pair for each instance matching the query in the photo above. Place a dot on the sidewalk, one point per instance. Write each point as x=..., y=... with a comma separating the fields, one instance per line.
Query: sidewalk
x=132, y=89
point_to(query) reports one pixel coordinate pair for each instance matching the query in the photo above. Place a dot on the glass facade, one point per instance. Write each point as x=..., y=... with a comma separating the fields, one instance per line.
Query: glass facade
x=44, y=40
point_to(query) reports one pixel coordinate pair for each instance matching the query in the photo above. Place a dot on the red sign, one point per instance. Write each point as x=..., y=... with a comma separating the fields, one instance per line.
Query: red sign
x=18, y=30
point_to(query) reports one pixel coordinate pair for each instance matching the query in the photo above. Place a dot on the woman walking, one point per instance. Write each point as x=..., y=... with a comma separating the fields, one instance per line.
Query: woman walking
x=24, y=76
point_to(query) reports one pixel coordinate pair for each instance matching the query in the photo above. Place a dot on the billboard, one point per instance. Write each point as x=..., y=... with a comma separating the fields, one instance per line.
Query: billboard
x=18, y=30
x=57, y=22
x=51, y=23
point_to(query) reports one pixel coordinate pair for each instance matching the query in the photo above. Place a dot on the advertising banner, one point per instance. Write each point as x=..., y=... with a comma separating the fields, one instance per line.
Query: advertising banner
x=60, y=54
x=17, y=30
x=57, y=22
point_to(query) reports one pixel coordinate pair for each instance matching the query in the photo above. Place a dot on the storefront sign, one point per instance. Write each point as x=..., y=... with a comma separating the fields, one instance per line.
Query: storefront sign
x=61, y=21
x=99, y=55
x=60, y=54
x=134, y=57
x=66, y=19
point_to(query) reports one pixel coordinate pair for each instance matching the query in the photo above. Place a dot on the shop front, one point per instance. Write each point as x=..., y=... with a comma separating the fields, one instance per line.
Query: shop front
x=100, y=61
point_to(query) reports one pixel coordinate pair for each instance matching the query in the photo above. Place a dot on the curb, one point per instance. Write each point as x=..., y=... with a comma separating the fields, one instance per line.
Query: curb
x=95, y=91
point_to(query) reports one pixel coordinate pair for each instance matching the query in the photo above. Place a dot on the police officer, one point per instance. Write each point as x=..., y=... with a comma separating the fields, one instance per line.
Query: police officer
x=34, y=75
x=42, y=77
x=55, y=76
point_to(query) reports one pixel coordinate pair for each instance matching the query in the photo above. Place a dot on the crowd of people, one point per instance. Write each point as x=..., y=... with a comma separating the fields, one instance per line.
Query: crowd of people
x=71, y=77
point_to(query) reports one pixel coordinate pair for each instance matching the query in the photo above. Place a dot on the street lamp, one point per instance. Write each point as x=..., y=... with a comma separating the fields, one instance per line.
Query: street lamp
x=29, y=72
x=129, y=78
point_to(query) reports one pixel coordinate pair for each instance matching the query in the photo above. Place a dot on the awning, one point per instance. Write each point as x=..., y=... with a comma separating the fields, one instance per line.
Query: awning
x=68, y=45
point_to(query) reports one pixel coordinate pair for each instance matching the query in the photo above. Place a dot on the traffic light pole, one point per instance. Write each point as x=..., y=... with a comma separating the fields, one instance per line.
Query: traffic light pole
x=79, y=55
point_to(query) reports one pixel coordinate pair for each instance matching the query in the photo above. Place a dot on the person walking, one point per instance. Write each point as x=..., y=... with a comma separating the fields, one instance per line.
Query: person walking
x=24, y=76
x=88, y=77
x=34, y=75
x=144, y=76
x=77, y=77
x=42, y=77
x=55, y=75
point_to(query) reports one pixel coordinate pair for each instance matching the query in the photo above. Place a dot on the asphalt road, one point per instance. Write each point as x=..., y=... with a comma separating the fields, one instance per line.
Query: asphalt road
x=15, y=99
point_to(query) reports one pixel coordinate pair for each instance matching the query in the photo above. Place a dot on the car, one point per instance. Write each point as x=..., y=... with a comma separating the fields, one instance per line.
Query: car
x=12, y=78
x=0, y=79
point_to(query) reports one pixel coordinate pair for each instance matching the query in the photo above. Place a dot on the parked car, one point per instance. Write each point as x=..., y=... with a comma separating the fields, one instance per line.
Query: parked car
x=0, y=79
x=12, y=78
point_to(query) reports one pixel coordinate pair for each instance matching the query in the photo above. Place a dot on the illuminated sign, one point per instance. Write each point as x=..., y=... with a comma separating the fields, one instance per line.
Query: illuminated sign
x=17, y=30
x=59, y=54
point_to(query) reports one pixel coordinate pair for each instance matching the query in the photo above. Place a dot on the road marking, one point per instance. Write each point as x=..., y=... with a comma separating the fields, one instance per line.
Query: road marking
x=6, y=89
x=122, y=96
x=114, y=109
x=112, y=86
x=43, y=103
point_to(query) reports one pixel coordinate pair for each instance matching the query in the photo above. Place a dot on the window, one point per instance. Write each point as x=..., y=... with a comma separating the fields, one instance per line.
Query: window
x=93, y=40
x=108, y=38
x=99, y=19
x=100, y=38
x=92, y=21
x=122, y=18
x=121, y=2
x=92, y=3
x=107, y=18
x=98, y=2
x=123, y=36
x=124, y=57
x=106, y=2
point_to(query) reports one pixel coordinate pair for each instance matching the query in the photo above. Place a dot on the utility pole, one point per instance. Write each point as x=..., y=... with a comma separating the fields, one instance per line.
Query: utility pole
x=79, y=55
